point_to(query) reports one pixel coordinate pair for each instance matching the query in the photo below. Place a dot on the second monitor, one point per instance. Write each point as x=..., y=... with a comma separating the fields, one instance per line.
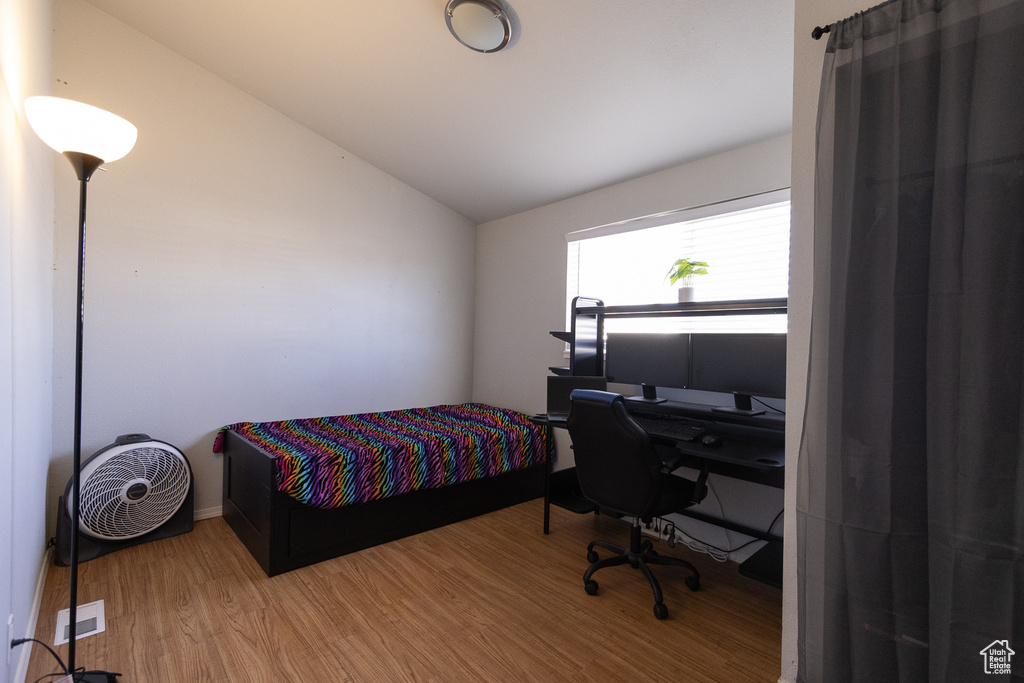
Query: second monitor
x=745, y=365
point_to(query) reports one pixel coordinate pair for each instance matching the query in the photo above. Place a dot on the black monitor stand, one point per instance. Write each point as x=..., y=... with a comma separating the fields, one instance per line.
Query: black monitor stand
x=741, y=406
x=650, y=395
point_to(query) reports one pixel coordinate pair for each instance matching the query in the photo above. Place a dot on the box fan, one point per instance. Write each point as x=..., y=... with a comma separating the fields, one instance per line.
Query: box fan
x=135, y=490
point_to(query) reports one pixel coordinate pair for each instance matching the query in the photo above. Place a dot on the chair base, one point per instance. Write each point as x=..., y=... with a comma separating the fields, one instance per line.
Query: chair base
x=638, y=555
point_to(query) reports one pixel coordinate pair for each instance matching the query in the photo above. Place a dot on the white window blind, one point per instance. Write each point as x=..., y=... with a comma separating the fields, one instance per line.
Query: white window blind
x=745, y=243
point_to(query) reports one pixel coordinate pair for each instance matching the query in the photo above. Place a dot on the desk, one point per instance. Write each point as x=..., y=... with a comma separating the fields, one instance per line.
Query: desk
x=752, y=448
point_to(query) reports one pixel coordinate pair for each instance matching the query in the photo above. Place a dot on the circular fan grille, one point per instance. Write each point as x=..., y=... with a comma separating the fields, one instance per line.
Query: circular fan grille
x=129, y=492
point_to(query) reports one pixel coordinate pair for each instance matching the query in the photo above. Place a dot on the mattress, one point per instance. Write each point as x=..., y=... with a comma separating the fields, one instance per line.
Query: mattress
x=330, y=462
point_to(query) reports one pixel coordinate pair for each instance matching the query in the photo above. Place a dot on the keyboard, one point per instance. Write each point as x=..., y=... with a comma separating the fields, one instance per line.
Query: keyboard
x=671, y=427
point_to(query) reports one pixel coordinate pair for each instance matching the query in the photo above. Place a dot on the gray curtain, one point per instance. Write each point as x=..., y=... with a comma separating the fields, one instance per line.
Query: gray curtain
x=910, y=501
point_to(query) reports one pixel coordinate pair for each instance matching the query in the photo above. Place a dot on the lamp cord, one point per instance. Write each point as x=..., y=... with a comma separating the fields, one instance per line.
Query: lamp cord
x=76, y=674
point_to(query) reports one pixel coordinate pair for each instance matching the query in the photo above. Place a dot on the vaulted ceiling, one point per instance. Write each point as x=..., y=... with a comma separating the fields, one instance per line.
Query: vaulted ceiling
x=592, y=93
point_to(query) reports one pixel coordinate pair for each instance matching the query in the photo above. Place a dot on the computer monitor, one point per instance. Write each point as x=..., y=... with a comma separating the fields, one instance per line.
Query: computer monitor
x=744, y=365
x=651, y=360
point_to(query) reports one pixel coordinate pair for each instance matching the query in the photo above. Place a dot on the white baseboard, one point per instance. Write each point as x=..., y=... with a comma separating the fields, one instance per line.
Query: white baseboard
x=33, y=618
x=207, y=513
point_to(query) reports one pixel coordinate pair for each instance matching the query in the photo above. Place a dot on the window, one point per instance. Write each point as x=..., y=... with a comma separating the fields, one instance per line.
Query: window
x=745, y=243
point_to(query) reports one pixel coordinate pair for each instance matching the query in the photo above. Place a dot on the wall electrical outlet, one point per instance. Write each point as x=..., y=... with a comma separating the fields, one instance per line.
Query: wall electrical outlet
x=10, y=640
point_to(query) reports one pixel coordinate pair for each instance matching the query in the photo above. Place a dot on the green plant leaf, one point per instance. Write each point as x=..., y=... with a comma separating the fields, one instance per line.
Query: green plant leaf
x=685, y=269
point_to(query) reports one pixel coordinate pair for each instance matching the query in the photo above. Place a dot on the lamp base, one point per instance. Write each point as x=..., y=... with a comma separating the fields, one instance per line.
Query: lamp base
x=89, y=677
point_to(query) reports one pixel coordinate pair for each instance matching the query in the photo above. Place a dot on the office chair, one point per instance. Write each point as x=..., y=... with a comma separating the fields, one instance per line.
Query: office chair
x=620, y=471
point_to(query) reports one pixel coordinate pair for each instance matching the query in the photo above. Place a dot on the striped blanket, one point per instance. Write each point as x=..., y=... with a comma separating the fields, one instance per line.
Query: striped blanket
x=334, y=461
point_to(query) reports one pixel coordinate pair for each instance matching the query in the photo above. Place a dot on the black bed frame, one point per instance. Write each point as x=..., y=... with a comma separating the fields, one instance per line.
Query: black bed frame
x=283, y=534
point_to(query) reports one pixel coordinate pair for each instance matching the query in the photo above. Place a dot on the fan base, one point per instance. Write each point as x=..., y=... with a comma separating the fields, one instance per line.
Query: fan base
x=90, y=548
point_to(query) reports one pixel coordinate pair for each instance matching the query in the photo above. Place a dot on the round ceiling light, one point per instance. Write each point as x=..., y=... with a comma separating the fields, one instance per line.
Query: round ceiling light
x=480, y=25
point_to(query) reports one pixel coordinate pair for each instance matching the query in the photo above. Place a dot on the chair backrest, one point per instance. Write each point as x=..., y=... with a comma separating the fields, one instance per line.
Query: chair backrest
x=615, y=460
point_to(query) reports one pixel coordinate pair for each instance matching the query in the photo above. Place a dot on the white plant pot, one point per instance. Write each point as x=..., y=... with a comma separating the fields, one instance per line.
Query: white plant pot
x=687, y=294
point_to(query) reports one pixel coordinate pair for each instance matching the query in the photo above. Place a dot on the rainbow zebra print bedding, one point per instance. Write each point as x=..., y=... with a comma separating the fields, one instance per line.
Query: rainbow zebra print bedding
x=330, y=462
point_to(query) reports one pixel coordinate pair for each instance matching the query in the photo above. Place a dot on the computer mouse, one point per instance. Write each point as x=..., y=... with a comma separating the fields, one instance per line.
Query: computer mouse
x=711, y=440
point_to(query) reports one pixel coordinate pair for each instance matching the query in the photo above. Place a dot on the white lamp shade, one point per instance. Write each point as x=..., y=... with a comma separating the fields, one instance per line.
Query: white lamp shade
x=69, y=126
x=477, y=24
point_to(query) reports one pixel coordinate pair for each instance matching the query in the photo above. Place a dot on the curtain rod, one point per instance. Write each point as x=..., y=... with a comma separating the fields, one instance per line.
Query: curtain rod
x=819, y=31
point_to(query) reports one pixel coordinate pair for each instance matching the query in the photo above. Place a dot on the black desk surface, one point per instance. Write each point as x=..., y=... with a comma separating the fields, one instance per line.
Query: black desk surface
x=756, y=441
x=750, y=442
x=767, y=420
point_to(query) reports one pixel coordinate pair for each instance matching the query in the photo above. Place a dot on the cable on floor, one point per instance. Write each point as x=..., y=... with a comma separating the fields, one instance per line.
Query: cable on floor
x=79, y=674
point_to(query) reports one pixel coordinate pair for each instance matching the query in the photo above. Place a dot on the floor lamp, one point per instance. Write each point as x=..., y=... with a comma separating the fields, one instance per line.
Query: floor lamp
x=88, y=137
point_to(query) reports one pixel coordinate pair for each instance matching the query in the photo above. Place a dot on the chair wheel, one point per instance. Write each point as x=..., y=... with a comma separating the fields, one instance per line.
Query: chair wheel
x=693, y=583
x=660, y=611
x=592, y=556
x=591, y=587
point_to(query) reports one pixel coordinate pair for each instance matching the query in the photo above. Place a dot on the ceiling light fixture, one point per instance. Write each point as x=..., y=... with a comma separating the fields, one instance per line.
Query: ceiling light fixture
x=481, y=25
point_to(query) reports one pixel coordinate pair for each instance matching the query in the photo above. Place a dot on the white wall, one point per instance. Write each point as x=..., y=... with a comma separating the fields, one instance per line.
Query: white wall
x=228, y=214
x=521, y=259
x=808, y=54
x=240, y=267
x=26, y=228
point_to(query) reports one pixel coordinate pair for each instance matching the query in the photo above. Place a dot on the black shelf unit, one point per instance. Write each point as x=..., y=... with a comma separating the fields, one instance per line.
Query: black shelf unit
x=586, y=336
x=695, y=308
x=585, y=339
x=586, y=347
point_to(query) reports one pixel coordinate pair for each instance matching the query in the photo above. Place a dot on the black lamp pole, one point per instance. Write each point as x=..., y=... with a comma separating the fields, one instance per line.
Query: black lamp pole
x=66, y=125
x=85, y=165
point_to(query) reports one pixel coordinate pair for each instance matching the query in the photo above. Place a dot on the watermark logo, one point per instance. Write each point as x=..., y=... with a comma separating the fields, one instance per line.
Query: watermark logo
x=997, y=657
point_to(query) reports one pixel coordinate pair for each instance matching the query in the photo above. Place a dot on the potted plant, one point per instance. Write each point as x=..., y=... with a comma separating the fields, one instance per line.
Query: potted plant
x=683, y=271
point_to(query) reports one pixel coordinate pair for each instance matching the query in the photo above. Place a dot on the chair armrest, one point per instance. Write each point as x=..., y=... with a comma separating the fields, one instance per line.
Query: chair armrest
x=671, y=462
x=700, y=487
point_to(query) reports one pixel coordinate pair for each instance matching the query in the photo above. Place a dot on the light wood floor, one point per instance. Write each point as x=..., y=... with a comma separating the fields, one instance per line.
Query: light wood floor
x=488, y=599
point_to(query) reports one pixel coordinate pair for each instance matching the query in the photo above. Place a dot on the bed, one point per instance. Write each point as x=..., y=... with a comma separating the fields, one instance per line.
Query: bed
x=297, y=492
